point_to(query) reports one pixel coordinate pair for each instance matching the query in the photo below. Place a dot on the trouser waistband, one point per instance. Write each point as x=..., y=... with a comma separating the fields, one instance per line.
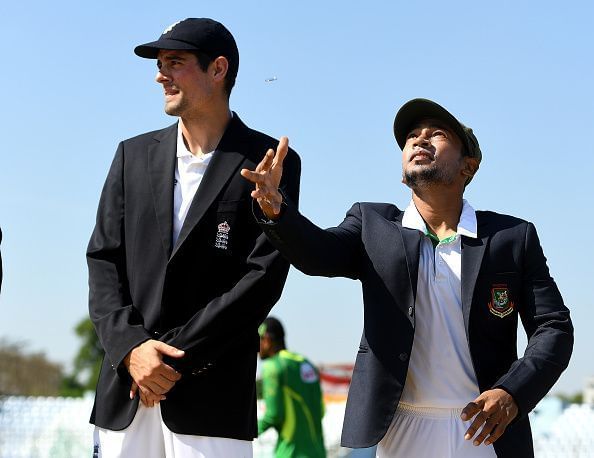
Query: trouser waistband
x=428, y=412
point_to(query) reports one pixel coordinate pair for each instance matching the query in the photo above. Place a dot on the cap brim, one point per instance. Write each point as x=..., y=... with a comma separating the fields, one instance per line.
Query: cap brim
x=416, y=110
x=151, y=50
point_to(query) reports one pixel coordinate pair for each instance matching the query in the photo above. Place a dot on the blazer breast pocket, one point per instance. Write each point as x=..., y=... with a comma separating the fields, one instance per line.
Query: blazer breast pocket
x=228, y=219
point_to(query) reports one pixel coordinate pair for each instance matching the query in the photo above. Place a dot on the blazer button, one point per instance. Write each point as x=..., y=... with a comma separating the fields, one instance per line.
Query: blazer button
x=410, y=311
x=403, y=356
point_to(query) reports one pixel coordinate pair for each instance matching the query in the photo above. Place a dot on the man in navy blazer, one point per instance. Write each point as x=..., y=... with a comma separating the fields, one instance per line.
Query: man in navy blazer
x=180, y=274
x=437, y=372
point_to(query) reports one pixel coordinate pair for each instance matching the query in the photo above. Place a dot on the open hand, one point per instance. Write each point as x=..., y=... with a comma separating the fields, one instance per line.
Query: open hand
x=267, y=177
x=495, y=409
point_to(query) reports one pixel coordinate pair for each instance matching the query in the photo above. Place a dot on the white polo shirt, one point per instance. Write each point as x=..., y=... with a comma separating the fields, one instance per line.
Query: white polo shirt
x=440, y=371
x=189, y=171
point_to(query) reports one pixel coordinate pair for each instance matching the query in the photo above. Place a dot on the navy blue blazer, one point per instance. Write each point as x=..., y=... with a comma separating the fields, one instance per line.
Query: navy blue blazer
x=207, y=294
x=372, y=246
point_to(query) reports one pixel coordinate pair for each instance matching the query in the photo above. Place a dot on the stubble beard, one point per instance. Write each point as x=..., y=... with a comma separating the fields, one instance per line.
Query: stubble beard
x=426, y=177
x=175, y=108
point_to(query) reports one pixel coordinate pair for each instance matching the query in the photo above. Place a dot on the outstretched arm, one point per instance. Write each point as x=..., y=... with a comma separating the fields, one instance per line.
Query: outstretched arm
x=332, y=252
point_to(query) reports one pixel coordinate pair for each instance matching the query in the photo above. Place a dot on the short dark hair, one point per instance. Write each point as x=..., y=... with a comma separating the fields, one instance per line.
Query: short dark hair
x=274, y=329
x=204, y=61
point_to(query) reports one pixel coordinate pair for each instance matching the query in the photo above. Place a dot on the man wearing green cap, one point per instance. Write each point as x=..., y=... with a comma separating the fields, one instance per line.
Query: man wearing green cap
x=437, y=372
x=293, y=397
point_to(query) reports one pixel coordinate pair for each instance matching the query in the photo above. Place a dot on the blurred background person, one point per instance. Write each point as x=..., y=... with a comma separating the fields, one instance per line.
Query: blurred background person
x=292, y=394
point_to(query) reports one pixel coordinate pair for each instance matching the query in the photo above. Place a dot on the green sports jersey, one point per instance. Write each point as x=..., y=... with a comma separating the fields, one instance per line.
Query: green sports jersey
x=294, y=405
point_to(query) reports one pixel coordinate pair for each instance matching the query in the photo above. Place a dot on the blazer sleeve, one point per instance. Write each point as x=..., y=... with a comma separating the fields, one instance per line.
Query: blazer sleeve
x=548, y=327
x=239, y=311
x=118, y=323
x=332, y=252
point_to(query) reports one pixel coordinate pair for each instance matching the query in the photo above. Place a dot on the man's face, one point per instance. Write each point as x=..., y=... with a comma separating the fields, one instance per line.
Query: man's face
x=187, y=88
x=265, y=346
x=432, y=155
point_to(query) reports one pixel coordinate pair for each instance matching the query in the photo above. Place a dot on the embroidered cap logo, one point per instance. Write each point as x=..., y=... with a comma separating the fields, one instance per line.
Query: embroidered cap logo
x=170, y=28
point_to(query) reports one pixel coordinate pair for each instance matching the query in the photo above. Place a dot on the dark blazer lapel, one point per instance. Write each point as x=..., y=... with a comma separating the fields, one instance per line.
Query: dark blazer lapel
x=223, y=165
x=412, y=245
x=397, y=262
x=161, y=170
x=473, y=251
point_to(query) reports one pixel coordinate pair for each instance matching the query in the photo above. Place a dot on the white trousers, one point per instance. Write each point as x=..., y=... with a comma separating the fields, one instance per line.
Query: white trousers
x=148, y=437
x=430, y=433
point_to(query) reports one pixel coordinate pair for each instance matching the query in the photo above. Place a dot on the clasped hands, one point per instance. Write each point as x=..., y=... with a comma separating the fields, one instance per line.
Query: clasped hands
x=151, y=377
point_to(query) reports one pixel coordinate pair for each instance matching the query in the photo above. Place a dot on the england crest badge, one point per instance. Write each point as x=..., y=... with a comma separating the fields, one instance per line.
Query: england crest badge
x=222, y=239
x=501, y=305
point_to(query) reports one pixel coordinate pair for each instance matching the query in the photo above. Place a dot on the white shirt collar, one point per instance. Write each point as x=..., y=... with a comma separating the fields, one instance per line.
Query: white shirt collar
x=467, y=225
x=182, y=150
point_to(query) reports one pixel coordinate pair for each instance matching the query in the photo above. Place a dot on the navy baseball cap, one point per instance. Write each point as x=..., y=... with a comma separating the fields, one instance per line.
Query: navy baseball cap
x=195, y=34
x=416, y=110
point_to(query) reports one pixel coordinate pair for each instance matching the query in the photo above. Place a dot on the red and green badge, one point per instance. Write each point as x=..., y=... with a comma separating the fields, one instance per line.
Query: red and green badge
x=500, y=304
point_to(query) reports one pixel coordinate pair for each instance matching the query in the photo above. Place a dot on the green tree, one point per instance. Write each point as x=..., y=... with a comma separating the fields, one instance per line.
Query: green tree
x=27, y=374
x=87, y=362
x=575, y=398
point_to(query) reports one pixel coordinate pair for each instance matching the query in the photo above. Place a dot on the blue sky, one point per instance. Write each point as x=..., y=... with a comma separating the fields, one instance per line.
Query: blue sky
x=519, y=73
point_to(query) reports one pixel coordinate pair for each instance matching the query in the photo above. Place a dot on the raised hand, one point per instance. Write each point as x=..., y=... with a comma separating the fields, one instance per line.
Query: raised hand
x=495, y=409
x=150, y=374
x=267, y=177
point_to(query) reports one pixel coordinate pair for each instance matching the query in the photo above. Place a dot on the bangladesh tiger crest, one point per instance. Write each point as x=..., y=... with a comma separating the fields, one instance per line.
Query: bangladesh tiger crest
x=500, y=304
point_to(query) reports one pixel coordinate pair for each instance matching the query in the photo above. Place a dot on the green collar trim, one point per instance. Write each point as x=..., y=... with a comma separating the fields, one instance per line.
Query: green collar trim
x=435, y=241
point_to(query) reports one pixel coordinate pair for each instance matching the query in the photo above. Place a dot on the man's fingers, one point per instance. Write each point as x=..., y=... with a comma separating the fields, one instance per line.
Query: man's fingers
x=254, y=177
x=490, y=424
x=165, y=382
x=475, y=425
x=266, y=162
x=169, y=373
x=152, y=391
x=471, y=409
x=145, y=400
x=496, y=409
x=270, y=195
x=156, y=385
x=149, y=399
x=281, y=152
x=168, y=350
x=133, y=390
x=496, y=433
